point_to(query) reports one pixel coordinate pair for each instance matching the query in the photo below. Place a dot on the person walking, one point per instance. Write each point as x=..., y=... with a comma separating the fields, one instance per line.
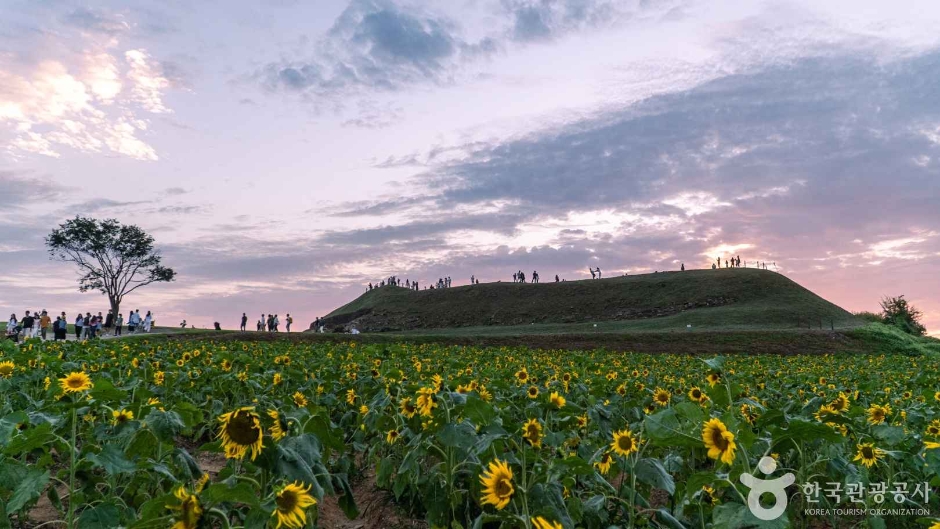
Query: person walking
x=109, y=321
x=119, y=325
x=289, y=321
x=27, y=325
x=79, y=326
x=44, y=322
x=148, y=321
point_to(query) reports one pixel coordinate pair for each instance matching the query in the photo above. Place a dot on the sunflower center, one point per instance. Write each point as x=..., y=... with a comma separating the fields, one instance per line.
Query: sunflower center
x=503, y=488
x=719, y=440
x=242, y=429
x=625, y=443
x=286, y=501
x=868, y=453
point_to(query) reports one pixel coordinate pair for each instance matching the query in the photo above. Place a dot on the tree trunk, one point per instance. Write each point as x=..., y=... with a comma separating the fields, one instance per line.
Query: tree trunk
x=115, y=307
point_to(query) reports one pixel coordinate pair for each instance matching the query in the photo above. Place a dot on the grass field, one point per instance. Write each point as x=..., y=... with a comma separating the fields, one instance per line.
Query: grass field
x=712, y=300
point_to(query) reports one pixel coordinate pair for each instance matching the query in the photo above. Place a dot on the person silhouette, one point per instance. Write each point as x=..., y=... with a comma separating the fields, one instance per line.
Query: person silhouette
x=682, y=268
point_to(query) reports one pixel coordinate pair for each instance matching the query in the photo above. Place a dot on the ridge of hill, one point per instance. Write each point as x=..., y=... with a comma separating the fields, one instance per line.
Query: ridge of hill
x=725, y=299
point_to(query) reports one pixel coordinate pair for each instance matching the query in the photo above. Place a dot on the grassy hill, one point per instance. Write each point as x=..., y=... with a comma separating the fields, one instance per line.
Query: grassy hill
x=709, y=300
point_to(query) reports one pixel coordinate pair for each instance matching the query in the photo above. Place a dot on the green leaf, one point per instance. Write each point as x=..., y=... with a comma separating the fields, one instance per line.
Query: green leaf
x=737, y=516
x=101, y=516
x=695, y=482
x=104, y=391
x=27, y=490
x=663, y=428
x=240, y=493
x=30, y=440
x=346, y=502
x=890, y=434
x=666, y=518
x=457, y=435
x=165, y=424
x=652, y=472
x=478, y=410
x=112, y=460
x=330, y=436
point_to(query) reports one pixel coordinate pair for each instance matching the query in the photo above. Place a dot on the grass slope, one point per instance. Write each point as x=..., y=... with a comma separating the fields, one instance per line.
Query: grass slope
x=709, y=300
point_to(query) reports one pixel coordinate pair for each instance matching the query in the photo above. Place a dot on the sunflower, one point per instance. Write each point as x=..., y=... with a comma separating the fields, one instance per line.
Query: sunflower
x=661, y=397
x=532, y=432
x=877, y=413
x=719, y=441
x=279, y=428
x=532, y=392
x=541, y=523
x=603, y=464
x=557, y=400
x=425, y=401
x=933, y=429
x=299, y=399
x=522, y=376
x=624, y=444
x=582, y=421
x=708, y=495
x=121, y=416
x=438, y=381
x=391, y=436
x=158, y=378
x=826, y=413
x=747, y=411
x=697, y=395
x=6, y=369
x=840, y=403
x=291, y=502
x=408, y=409
x=351, y=396
x=241, y=430
x=497, y=485
x=713, y=379
x=930, y=445
x=868, y=454
x=188, y=511
x=75, y=382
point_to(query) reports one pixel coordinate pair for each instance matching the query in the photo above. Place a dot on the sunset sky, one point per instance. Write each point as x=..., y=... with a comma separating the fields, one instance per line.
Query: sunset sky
x=285, y=153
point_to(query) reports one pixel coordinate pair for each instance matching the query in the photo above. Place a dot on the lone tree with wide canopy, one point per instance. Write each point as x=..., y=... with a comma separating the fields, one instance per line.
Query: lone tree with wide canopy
x=112, y=258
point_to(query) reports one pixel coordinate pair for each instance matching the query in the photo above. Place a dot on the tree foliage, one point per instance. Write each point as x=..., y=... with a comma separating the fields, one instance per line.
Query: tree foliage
x=898, y=312
x=112, y=258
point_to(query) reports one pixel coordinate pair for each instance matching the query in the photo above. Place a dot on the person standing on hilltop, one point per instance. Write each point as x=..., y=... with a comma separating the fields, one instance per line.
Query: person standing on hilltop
x=289, y=321
x=682, y=268
x=119, y=324
x=593, y=275
x=244, y=322
x=599, y=272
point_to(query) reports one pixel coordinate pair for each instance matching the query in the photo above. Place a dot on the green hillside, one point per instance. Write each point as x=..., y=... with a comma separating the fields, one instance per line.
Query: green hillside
x=726, y=299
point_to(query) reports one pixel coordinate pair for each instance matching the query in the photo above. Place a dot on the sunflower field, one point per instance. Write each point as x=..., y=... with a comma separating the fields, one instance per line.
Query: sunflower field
x=115, y=434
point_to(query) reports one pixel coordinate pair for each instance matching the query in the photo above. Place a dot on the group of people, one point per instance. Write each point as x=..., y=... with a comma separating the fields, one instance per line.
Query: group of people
x=442, y=282
x=86, y=326
x=519, y=277
x=395, y=282
x=595, y=274
x=735, y=262
x=270, y=323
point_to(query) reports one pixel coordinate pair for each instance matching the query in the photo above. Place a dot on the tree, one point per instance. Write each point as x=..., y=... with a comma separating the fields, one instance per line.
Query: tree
x=112, y=258
x=898, y=312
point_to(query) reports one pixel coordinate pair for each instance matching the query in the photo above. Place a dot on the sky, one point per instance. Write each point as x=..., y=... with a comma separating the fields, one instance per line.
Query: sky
x=284, y=153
